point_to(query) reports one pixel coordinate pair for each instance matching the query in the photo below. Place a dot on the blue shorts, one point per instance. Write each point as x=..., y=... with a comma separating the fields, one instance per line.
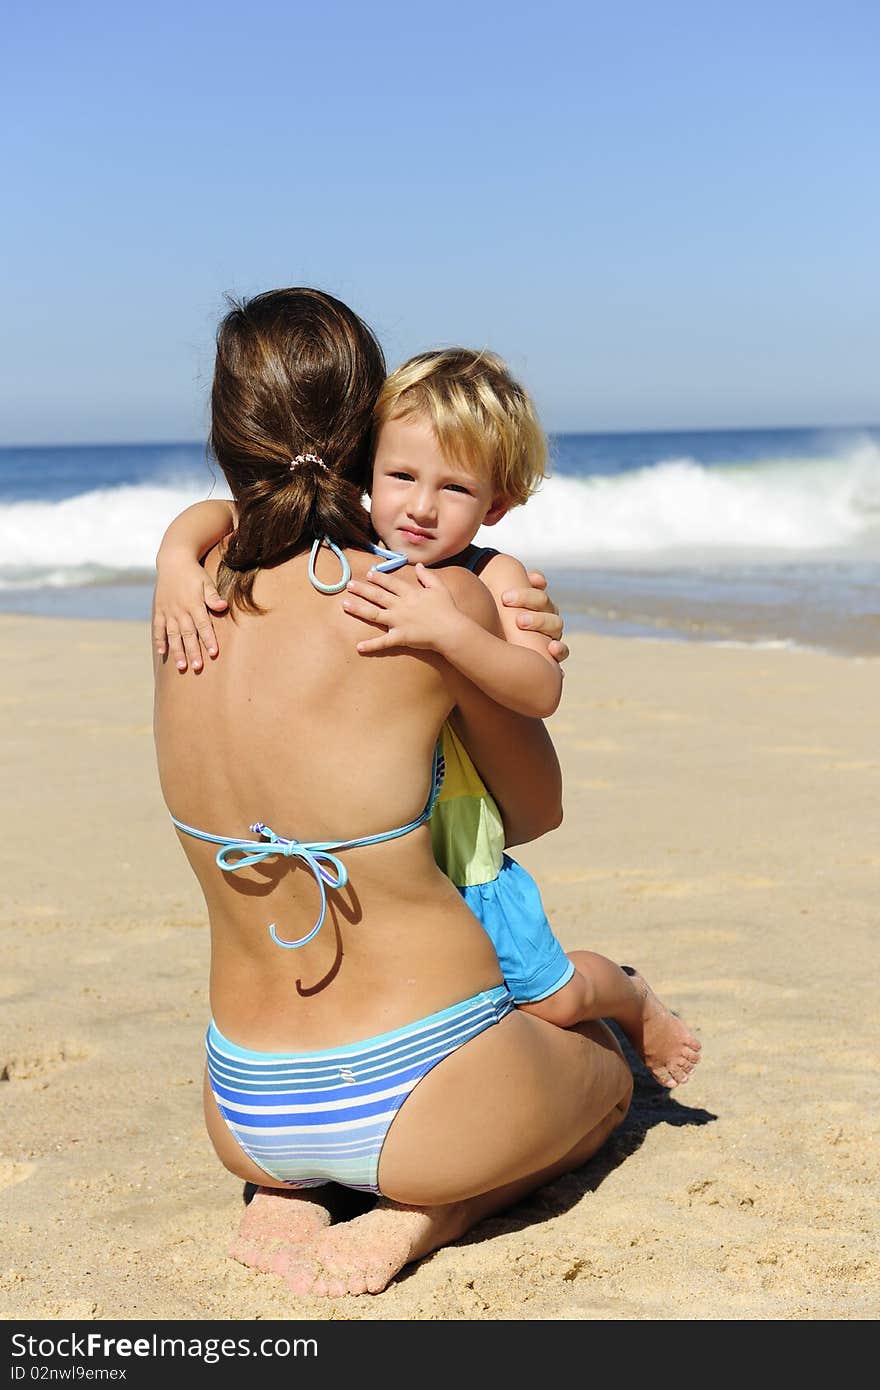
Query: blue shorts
x=532, y=961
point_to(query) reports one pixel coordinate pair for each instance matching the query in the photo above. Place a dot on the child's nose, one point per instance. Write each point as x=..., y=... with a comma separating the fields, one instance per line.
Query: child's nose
x=422, y=506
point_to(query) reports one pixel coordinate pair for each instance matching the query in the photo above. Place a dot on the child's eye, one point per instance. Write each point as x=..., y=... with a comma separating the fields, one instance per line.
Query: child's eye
x=404, y=477
x=459, y=487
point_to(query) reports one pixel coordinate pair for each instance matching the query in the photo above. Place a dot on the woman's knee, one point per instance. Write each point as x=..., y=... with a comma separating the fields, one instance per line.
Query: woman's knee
x=508, y=1103
x=618, y=1075
x=626, y=1094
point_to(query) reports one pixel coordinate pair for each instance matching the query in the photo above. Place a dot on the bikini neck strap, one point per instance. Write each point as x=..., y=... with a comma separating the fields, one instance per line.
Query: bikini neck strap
x=394, y=560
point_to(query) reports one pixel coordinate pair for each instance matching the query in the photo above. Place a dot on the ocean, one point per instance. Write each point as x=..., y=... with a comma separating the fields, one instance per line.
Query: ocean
x=744, y=536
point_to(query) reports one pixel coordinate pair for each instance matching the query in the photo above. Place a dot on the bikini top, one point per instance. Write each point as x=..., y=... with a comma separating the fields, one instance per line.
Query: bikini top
x=319, y=856
x=478, y=561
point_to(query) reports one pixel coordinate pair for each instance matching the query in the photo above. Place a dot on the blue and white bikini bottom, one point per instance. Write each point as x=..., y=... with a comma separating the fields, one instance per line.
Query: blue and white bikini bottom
x=318, y=1117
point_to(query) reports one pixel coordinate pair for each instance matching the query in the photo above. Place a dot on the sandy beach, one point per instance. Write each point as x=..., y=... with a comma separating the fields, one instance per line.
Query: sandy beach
x=721, y=833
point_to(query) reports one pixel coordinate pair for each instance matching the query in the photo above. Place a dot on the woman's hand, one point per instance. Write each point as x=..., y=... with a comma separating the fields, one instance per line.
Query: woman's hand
x=540, y=615
x=183, y=602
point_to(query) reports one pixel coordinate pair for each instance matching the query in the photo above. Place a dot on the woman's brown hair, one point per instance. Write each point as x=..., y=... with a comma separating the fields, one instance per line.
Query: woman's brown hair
x=297, y=372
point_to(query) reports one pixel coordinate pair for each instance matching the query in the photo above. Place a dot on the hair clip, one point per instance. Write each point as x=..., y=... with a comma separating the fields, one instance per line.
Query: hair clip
x=306, y=458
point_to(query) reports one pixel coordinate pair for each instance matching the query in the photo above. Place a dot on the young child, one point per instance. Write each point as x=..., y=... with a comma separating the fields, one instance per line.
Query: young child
x=456, y=445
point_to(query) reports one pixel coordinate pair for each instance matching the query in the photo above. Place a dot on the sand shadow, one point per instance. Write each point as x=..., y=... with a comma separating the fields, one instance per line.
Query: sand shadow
x=652, y=1104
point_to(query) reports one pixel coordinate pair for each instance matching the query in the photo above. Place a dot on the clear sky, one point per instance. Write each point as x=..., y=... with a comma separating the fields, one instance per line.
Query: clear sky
x=662, y=215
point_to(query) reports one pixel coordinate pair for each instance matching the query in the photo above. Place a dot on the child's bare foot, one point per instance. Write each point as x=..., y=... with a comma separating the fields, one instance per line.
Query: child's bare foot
x=667, y=1047
x=363, y=1255
x=274, y=1220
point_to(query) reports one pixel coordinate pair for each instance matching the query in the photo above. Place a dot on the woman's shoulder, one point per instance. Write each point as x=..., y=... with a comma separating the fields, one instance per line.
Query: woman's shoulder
x=471, y=596
x=470, y=593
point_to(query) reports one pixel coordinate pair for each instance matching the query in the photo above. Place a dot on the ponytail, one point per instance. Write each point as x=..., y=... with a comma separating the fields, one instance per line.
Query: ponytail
x=296, y=378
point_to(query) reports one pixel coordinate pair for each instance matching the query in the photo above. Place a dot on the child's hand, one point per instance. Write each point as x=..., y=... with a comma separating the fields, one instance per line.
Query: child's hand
x=542, y=615
x=421, y=618
x=182, y=605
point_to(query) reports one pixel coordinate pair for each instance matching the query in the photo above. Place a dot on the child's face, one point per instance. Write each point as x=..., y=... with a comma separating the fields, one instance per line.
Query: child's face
x=423, y=504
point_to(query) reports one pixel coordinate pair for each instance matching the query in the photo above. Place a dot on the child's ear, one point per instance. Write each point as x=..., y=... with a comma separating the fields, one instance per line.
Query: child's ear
x=498, y=509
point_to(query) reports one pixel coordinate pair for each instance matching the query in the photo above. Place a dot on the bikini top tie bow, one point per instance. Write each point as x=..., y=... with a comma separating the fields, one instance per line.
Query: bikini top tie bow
x=328, y=870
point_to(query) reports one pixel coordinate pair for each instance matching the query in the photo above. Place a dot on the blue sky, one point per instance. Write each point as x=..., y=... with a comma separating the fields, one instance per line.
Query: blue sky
x=662, y=215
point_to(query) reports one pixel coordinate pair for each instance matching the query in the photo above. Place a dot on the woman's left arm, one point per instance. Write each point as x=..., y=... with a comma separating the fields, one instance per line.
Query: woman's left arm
x=513, y=753
x=516, y=760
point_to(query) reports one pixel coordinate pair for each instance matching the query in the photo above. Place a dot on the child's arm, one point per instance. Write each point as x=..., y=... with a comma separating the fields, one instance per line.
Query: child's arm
x=527, y=788
x=505, y=577
x=536, y=612
x=522, y=676
x=184, y=596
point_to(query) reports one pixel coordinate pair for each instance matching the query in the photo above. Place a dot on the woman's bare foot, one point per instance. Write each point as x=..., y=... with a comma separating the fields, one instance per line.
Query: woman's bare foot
x=667, y=1047
x=364, y=1255
x=274, y=1220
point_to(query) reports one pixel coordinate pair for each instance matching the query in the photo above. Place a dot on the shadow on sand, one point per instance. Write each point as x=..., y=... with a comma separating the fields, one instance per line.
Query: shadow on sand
x=652, y=1104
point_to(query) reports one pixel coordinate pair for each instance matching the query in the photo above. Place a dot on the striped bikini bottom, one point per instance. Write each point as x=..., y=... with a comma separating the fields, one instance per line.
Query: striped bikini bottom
x=318, y=1117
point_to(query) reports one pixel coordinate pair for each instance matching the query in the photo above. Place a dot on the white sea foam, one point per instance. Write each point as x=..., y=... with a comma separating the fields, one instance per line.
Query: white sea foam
x=679, y=506
x=676, y=508
x=91, y=538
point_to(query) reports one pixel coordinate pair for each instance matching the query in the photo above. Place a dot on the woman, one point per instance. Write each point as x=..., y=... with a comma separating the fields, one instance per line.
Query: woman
x=373, y=1045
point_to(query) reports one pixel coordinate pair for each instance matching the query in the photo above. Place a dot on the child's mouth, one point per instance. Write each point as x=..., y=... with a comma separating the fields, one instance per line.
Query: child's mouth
x=415, y=535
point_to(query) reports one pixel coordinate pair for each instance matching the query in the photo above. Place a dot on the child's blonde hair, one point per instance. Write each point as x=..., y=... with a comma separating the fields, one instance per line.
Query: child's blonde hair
x=479, y=413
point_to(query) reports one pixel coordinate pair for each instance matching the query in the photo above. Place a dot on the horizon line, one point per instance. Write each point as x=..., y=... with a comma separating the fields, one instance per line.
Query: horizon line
x=551, y=434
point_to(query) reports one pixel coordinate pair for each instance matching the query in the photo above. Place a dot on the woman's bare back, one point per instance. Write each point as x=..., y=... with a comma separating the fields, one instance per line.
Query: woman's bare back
x=295, y=729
